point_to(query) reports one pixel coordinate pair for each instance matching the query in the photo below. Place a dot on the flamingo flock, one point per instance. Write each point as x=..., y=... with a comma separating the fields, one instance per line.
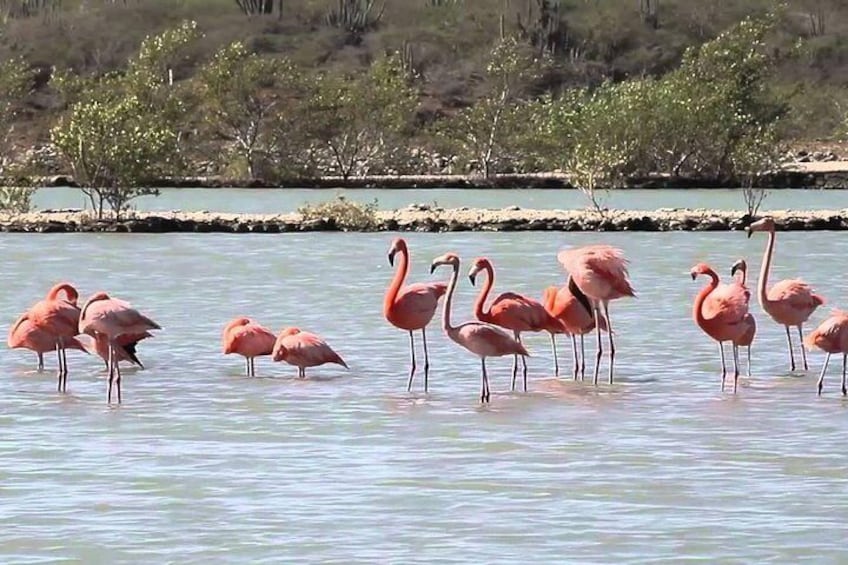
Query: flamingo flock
x=596, y=275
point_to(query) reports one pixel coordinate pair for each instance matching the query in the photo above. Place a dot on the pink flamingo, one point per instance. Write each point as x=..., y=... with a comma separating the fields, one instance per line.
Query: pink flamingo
x=26, y=335
x=789, y=302
x=480, y=338
x=747, y=338
x=573, y=309
x=600, y=272
x=304, y=349
x=411, y=307
x=720, y=310
x=245, y=337
x=511, y=311
x=831, y=337
x=58, y=317
x=113, y=318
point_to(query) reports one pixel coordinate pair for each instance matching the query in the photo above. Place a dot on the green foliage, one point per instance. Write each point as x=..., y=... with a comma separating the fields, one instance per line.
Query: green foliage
x=250, y=102
x=16, y=199
x=359, y=118
x=355, y=16
x=121, y=131
x=346, y=214
x=15, y=85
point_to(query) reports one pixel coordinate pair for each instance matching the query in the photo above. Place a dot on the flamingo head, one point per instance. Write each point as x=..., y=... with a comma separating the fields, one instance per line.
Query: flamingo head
x=398, y=245
x=480, y=264
x=451, y=259
x=740, y=265
x=71, y=294
x=765, y=224
x=701, y=269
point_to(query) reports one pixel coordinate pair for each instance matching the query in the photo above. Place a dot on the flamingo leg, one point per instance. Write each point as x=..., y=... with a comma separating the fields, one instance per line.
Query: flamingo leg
x=821, y=377
x=844, y=361
x=111, y=373
x=514, y=363
x=723, y=366
x=735, y=367
x=803, y=351
x=554, y=352
x=484, y=393
x=582, y=357
x=59, y=358
x=117, y=373
x=576, y=368
x=426, y=361
x=791, y=355
x=246, y=367
x=611, y=343
x=412, y=361
x=252, y=366
x=40, y=361
x=749, y=361
x=600, y=343
x=523, y=363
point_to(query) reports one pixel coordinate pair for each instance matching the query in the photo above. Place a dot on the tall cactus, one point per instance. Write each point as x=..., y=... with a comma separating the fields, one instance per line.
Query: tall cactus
x=354, y=16
x=545, y=30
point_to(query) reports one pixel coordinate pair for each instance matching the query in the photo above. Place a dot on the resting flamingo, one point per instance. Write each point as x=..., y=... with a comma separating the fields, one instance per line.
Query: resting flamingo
x=511, y=311
x=747, y=338
x=600, y=272
x=574, y=310
x=304, y=349
x=245, y=337
x=58, y=317
x=113, y=318
x=411, y=307
x=480, y=338
x=25, y=335
x=125, y=347
x=720, y=310
x=789, y=302
x=831, y=337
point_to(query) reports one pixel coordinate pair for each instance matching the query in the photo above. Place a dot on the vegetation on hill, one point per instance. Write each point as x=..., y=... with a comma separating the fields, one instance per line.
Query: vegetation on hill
x=127, y=90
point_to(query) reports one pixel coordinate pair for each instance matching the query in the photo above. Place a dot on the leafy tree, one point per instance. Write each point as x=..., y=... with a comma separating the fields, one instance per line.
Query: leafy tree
x=15, y=85
x=248, y=100
x=123, y=130
x=478, y=132
x=357, y=117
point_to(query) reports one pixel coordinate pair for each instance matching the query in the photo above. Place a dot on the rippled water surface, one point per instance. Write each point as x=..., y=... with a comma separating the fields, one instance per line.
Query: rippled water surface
x=203, y=465
x=250, y=200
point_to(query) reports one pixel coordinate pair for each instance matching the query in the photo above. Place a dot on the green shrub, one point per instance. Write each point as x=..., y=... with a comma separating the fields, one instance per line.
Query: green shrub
x=346, y=214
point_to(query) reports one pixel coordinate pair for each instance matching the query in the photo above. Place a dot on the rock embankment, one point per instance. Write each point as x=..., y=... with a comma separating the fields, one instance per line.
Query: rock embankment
x=421, y=218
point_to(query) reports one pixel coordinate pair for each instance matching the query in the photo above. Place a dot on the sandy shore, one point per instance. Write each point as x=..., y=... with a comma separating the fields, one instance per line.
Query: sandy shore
x=424, y=218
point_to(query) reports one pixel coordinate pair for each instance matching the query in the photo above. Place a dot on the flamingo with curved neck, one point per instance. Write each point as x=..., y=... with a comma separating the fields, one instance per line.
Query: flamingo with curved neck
x=512, y=311
x=411, y=307
x=747, y=338
x=58, y=317
x=789, y=302
x=480, y=338
x=720, y=310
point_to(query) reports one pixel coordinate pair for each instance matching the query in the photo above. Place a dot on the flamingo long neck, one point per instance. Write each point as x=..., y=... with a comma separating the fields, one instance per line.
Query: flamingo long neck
x=397, y=281
x=71, y=294
x=446, y=313
x=762, y=284
x=480, y=304
x=698, y=307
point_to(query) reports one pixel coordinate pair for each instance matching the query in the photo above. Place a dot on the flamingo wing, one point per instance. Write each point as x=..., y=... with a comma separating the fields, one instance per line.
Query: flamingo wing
x=312, y=349
x=522, y=313
x=795, y=293
x=728, y=303
x=832, y=334
x=600, y=271
x=486, y=340
x=420, y=299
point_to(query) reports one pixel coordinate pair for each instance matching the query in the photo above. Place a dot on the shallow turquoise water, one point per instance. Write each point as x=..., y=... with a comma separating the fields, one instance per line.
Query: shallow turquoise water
x=203, y=465
x=250, y=200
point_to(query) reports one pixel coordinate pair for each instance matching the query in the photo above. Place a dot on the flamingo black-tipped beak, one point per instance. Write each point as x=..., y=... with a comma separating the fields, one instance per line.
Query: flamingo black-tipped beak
x=392, y=257
x=433, y=268
x=748, y=231
x=694, y=275
x=473, y=278
x=733, y=269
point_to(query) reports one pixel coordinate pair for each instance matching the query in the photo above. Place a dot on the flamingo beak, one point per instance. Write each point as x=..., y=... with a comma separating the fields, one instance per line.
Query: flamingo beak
x=433, y=267
x=392, y=257
x=694, y=275
x=748, y=231
x=472, y=277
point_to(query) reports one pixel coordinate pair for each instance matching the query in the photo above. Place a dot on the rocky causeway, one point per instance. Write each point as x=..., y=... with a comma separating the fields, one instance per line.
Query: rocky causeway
x=424, y=218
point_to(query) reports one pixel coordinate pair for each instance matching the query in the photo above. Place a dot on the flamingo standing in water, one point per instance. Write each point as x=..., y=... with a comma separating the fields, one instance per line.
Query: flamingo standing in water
x=600, y=272
x=58, y=317
x=304, y=349
x=720, y=311
x=511, y=311
x=113, y=318
x=747, y=338
x=245, y=337
x=125, y=347
x=789, y=302
x=480, y=338
x=25, y=335
x=832, y=337
x=574, y=310
x=411, y=307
